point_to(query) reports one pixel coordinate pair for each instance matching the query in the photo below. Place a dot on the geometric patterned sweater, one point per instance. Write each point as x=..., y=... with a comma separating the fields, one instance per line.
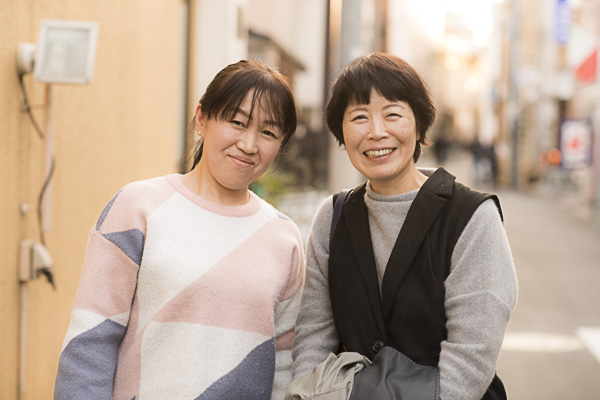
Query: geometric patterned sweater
x=183, y=298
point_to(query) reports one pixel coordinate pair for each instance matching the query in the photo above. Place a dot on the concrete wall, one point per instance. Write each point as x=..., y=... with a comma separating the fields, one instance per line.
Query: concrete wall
x=126, y=125
x=300, y=29
x=219, y=37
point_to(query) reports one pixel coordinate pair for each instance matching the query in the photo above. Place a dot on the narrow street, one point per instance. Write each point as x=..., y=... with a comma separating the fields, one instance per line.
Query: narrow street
x=552, y=346
x=551, y=350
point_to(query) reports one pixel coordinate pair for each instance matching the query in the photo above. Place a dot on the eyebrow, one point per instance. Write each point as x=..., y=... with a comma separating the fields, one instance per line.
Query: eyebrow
x=359, y=108
x=240, y=111
x=275, y=124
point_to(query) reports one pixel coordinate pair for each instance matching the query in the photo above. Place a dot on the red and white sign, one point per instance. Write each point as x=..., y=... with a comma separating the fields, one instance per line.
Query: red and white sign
x=575, y=143
x=586, y=72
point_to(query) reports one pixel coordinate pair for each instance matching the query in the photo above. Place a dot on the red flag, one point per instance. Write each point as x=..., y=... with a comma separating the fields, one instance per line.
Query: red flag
x=586, y=72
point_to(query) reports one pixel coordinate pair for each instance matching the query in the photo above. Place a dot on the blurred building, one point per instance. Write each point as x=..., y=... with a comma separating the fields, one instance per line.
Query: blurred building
x=548, y=95
x=515, y=78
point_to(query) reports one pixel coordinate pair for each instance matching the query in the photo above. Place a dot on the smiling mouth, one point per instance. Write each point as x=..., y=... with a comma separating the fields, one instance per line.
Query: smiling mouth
x=378, y=153
x=244, y=162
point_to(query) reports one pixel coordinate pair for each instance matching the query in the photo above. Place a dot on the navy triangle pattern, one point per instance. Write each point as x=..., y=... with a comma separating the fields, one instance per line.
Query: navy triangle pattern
x=252, y=379
x=104, y=212
x=131, y=242
x=91, y=358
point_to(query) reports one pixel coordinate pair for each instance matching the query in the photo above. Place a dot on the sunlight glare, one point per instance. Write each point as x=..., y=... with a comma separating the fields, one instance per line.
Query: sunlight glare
x=477, y=16
x=430, y=14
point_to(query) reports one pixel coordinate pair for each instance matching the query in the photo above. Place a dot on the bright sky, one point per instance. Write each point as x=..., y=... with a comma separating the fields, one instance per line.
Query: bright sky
x=477, y=16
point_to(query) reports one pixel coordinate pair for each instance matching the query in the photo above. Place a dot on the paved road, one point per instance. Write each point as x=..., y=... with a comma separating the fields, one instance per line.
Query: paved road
x=551, y=347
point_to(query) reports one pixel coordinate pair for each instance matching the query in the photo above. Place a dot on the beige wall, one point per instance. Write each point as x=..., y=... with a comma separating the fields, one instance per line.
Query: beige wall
x=123, y=127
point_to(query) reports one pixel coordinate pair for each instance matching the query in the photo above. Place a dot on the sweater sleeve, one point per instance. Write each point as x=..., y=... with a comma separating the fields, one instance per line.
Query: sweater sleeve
x=316, y=335
x=286, y=312
x=102, y=304
x=481, y=292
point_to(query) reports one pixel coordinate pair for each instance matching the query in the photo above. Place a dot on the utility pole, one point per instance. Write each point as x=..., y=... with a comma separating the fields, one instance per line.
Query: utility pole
x=346, y=13
x=596, y=125
x=514, y=110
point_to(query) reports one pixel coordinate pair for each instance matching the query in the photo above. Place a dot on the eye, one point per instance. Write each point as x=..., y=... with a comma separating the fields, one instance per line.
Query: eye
x=237, y=123
x=270, y=134
x=394, y=115
x=359, y=117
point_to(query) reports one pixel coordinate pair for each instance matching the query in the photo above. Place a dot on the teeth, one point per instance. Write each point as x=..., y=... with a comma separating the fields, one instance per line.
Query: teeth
x=378, y=153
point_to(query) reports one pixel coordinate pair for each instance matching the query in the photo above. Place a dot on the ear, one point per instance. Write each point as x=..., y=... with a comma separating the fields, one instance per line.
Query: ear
x=199, y=118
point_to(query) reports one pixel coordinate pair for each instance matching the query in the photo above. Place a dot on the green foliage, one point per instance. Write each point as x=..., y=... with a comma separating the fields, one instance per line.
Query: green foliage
x=271, y=185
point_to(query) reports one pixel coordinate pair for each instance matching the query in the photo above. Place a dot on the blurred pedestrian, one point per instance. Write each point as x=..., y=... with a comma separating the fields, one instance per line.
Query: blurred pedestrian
x=191, y=283
x=417, y=265
x=441, y=147
x=485, y=163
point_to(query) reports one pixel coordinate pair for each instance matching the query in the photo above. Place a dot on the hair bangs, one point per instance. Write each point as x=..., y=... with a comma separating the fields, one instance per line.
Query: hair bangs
x=357, y=88
x=234, y=93
x=275, y=101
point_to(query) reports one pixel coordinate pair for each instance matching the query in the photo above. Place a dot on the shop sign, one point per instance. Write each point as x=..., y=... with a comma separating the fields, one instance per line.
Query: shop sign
x=575, y=143
x=561, y=22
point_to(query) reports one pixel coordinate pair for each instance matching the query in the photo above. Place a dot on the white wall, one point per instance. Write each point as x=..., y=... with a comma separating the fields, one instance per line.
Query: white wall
x=309, y=43
x=299, y=27
x=220, y=38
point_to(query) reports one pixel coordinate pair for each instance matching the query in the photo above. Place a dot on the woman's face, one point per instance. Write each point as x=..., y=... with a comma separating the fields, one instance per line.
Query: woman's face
x=380, y=140
x=238, y=150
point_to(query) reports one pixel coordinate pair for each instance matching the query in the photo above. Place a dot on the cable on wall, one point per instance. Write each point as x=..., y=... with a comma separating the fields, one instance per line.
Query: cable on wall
x=27, y=107
x=40, y=210
x=41, y=199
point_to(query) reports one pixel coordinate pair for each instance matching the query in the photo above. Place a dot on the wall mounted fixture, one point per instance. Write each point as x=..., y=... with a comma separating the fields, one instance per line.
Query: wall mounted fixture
x=34, y=261
x=64, y=53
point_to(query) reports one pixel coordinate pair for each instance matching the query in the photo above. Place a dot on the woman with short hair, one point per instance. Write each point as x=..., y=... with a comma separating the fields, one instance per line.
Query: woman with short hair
x=417, y=266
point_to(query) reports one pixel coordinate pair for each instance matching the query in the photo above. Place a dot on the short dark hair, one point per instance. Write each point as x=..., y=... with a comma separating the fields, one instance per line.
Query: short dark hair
x=229, y=88
x=394, y=79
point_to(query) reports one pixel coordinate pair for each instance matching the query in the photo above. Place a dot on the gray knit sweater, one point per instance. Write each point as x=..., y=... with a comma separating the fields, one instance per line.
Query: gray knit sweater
x=481, y=292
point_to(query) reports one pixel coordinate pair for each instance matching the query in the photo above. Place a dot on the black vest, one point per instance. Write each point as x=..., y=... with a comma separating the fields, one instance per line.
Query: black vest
x=409, y=314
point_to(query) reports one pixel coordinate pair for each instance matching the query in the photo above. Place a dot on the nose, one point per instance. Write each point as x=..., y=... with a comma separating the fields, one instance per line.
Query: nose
x=248, y=141
x=377, y=129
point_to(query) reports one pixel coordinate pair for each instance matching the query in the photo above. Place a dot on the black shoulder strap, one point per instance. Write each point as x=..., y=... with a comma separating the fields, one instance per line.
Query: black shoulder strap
x=338, y=201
